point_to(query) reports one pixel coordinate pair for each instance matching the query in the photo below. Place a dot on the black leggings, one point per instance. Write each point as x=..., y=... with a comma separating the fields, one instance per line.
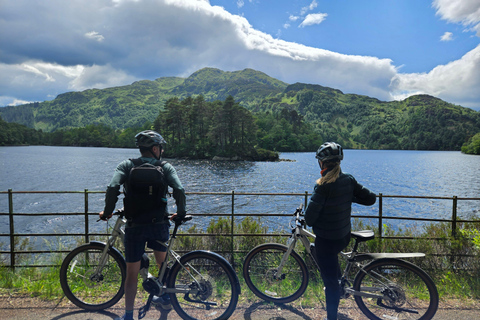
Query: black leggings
x=327, y=257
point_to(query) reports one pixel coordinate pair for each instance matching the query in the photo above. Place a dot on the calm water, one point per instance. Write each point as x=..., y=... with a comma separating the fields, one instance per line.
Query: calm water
x=409, y=173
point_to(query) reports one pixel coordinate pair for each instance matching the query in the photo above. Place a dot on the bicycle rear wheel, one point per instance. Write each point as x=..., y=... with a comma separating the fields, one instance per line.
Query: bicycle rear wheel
x=406, y=291
x=87, y=288
x=260, y=273
x=210, y=287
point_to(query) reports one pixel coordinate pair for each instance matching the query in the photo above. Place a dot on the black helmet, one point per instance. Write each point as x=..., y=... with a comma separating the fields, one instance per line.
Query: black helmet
x=330, y=151
x=148, y=139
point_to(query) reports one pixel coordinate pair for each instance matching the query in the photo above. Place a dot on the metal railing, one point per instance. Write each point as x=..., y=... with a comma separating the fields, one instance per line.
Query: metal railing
x=12, y=235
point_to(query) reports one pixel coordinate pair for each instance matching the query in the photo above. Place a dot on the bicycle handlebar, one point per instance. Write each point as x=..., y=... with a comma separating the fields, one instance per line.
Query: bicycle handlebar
x=178, y=219
x=299, y=214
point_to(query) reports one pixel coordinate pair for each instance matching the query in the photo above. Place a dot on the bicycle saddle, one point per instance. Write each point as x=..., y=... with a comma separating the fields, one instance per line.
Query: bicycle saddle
x=363, y=235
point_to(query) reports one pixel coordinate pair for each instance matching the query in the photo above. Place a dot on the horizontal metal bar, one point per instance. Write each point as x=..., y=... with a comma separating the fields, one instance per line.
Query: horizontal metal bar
x=249, y=194
x=232, y=214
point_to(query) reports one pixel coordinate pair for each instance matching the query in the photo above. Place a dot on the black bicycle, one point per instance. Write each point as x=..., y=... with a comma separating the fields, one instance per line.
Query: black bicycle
x=202, y=284
x=385, y=286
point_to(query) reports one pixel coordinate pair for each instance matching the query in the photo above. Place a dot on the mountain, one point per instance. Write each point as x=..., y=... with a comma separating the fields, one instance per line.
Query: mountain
x=419, y=122
x=135, y=104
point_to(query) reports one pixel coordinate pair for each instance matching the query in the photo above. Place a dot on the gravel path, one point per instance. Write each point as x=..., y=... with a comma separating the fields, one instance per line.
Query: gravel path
x=21, y=307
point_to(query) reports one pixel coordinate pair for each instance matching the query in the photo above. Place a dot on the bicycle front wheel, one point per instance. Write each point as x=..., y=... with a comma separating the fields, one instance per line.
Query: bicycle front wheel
x=207, y=287
x=402, y=290
x=89, y=283
x=260, y=271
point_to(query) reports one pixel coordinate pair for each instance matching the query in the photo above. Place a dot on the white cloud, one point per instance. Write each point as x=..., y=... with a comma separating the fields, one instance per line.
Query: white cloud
x=95, y=36
x=310, y=7
x=100, y=77
x=447, y=36
x=466, y=12
x=151, y=39
x=293, y=18
x=11, y=101
x=457, y=81
x=313, y=18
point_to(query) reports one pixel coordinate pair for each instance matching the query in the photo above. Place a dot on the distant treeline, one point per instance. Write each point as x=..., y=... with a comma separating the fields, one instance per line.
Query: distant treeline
x=193, y=128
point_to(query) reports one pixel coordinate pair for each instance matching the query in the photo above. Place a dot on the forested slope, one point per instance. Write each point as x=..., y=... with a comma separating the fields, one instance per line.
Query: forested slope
x=420, y=122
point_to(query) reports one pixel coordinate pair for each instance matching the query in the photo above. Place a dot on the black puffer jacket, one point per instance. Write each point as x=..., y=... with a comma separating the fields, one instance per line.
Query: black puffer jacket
x=329, y=209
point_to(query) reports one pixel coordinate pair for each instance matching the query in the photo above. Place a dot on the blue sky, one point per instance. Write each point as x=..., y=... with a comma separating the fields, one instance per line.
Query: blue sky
x=406, y=31
x=387, y=49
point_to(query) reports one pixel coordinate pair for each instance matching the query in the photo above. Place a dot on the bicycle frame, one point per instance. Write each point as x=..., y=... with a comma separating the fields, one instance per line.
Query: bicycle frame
x=382, y=284
x=93, y=277
x=353, y=258
x=298, y=233
x=118, y=232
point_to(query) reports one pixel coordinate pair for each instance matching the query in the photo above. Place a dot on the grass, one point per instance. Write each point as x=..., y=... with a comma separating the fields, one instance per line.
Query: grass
x=453, y=263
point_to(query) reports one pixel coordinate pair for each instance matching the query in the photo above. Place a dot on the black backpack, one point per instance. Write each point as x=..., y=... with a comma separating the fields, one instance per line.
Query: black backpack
x=144, y=188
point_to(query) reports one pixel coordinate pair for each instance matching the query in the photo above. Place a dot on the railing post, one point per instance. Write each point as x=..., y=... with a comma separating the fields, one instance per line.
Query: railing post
x=306, y=199
x=232, y=229
x=12, y=229
x=86, y=217
x=454, y=217
x=380, y=216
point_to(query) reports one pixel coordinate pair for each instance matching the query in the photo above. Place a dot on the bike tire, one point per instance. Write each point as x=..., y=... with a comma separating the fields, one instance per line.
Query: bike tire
x=259, y=272
x=413, y=292
x=87, y=290
x=209, y=279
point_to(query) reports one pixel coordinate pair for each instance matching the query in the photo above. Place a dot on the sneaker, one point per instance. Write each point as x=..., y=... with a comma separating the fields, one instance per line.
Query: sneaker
x=162, y=302
x=125, y=317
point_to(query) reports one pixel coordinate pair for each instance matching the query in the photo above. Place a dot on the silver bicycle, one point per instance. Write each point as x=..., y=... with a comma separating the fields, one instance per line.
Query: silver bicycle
x=384, y=287
x=202, y=285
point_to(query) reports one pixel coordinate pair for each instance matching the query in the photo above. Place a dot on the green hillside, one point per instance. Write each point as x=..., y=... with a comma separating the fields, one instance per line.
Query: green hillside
x=135, y=104
x=420, y=122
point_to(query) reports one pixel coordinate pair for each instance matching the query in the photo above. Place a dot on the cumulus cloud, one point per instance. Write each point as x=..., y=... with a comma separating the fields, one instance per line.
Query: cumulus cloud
x=466, y=12
x=310, y=7
x=150, y=39
x=95, y=36
x=457, y=81
x=111, y=43
x=313, y=18
x=447, y=36
x=293, y=18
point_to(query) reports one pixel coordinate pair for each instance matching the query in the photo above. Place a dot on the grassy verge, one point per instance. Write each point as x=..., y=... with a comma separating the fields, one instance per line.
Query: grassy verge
x=453, y=263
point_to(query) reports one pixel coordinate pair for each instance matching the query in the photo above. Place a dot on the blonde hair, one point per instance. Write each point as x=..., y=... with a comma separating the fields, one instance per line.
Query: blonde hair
x=332, y=175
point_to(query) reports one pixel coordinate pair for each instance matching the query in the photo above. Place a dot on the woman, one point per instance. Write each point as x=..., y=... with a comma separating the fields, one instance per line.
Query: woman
x=329, y=213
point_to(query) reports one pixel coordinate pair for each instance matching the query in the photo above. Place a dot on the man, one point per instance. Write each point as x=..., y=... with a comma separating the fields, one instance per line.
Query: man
x=145, y=224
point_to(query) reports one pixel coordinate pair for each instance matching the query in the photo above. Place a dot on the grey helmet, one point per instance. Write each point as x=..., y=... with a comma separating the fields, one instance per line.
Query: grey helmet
x=330, y=152
x=148, y=139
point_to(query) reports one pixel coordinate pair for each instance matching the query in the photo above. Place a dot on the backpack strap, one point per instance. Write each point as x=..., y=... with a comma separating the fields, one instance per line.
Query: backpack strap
x=136, y=162
x=160, y=163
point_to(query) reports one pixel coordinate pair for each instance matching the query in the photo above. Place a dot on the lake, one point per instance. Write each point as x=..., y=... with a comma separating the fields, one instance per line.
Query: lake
x=407, y=173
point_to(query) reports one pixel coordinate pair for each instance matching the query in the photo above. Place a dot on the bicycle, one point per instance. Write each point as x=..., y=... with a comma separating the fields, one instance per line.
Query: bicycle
x=385, y=287
x=201, y=284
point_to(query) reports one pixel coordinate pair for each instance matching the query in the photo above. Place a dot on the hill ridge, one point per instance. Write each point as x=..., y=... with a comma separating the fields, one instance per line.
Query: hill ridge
x=417, y=122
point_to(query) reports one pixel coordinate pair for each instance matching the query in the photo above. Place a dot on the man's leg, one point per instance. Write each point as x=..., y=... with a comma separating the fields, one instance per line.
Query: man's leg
x=164, y=301
x=131, y=282
x=159, y=257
